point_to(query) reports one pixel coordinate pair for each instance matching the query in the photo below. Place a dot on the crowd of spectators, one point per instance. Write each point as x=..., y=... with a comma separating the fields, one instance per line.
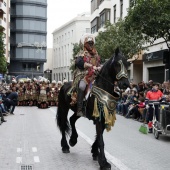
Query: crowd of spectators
x=132, y=103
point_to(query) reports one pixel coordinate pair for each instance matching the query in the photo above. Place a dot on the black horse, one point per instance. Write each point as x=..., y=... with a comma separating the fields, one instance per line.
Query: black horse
x=99, y=106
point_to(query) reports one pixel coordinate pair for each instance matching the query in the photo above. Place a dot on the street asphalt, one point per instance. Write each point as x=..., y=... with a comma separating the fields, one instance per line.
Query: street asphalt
x=31, y=139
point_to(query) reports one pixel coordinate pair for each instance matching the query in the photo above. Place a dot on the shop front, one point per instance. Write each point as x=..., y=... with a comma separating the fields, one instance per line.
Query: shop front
x=153, y=67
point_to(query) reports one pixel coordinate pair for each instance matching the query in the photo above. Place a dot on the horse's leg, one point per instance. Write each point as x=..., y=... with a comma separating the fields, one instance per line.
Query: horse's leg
x=64, y=144
x=104, y=165
x=74, y=135
x=64, y=126
x=94, y=150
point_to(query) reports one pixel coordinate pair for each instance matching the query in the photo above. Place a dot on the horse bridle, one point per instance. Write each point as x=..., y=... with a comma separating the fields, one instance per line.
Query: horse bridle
x=122, y=73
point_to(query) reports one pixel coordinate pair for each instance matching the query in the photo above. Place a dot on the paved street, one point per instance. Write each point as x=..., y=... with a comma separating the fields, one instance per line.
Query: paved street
x=30, y=137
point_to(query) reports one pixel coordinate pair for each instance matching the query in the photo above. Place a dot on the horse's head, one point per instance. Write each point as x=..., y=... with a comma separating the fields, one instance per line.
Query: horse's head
x=115, y=69
x=119, y=69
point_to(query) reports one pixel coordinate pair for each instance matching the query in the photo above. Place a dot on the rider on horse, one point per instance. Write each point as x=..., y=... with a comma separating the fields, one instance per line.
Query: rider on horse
x=86, y=65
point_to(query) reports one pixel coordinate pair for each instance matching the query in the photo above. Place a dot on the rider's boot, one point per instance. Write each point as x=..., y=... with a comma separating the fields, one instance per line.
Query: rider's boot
x=80, y=102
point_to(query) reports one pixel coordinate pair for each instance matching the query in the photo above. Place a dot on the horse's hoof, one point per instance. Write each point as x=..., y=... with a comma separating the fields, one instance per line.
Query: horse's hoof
x=66, y=150
x=107, y=166
x=72, y=143
x=95, y=158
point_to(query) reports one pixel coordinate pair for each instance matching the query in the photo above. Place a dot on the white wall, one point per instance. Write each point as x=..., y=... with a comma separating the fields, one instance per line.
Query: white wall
x=63, y=40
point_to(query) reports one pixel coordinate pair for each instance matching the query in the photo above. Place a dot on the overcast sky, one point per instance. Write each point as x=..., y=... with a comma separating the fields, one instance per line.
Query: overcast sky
x=60, y=12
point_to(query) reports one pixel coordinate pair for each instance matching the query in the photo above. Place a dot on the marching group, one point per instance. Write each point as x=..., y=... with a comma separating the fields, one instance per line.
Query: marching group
x=134, y=101
x=42, y=94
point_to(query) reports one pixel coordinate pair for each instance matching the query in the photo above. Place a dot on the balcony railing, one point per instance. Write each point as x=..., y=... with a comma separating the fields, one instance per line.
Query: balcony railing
x=3, y=8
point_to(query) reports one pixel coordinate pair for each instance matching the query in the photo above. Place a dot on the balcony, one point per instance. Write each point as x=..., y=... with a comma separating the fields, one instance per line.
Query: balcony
x=2, y=23
x=3, y=8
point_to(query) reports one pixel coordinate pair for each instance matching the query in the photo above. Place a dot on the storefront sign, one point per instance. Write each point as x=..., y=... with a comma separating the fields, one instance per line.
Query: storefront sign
x=157, y=55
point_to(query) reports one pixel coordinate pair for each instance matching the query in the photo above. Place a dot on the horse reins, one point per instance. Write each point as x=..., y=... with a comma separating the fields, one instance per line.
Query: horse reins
x=98, y=74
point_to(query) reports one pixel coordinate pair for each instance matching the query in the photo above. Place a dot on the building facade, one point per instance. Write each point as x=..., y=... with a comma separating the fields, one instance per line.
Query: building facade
x=5, y=23
x=28, y=37
x=142, y=68
x=64, y=39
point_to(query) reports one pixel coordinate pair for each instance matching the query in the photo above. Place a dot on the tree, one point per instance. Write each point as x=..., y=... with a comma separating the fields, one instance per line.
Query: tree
x=151, y=18
x=3, y=62
x=77, y=48
x=115, y=35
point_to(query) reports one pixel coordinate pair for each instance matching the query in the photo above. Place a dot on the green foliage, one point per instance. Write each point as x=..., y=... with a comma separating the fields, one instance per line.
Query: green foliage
x=76, y=50
x=115, y=35
x=3, y=63
x=150, y=17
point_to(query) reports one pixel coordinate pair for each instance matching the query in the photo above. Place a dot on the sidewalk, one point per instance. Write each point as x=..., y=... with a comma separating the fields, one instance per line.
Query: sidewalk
x=31, y=137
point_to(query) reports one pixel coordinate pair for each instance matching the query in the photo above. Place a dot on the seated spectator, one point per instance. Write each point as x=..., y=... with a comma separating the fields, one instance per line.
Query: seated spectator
x=141, y=108
x=2, y=117
x=130, y=102
x=4, y=112
x=1, y=112
x=11, y=101
x=120, y=103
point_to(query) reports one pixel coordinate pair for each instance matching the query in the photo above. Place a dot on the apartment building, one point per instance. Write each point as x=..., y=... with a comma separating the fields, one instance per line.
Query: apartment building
x=149, y=64
x=5, y=24
x=64, y=38
x=28, y=37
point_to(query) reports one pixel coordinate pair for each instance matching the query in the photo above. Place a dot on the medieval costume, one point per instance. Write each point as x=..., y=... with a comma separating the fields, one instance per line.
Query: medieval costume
x=53, y=94
x=86, y=65
x=21, y=94
x=34, y=93
x=28, y=92
x=42, y=100
x=13, y=86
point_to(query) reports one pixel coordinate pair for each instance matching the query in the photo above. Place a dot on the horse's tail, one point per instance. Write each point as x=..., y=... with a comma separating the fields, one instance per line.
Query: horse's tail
x=62, y=112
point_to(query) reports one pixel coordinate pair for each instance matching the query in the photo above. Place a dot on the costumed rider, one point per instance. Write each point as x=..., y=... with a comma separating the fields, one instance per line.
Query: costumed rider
x=153, y=95
x=86, y=65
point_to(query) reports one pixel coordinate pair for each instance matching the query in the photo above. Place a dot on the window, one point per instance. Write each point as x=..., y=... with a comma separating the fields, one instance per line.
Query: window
x=108, y=15
x=30, y=67
x=94, y=5
x=65, y=36
x=114, y=13
x=94, y=29
x=102, y=20
x=121, y=9
x=94, y=25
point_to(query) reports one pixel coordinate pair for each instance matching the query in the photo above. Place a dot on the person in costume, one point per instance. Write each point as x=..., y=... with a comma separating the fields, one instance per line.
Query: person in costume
x=42, y=100
x=86, y=64
x=21, y=93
